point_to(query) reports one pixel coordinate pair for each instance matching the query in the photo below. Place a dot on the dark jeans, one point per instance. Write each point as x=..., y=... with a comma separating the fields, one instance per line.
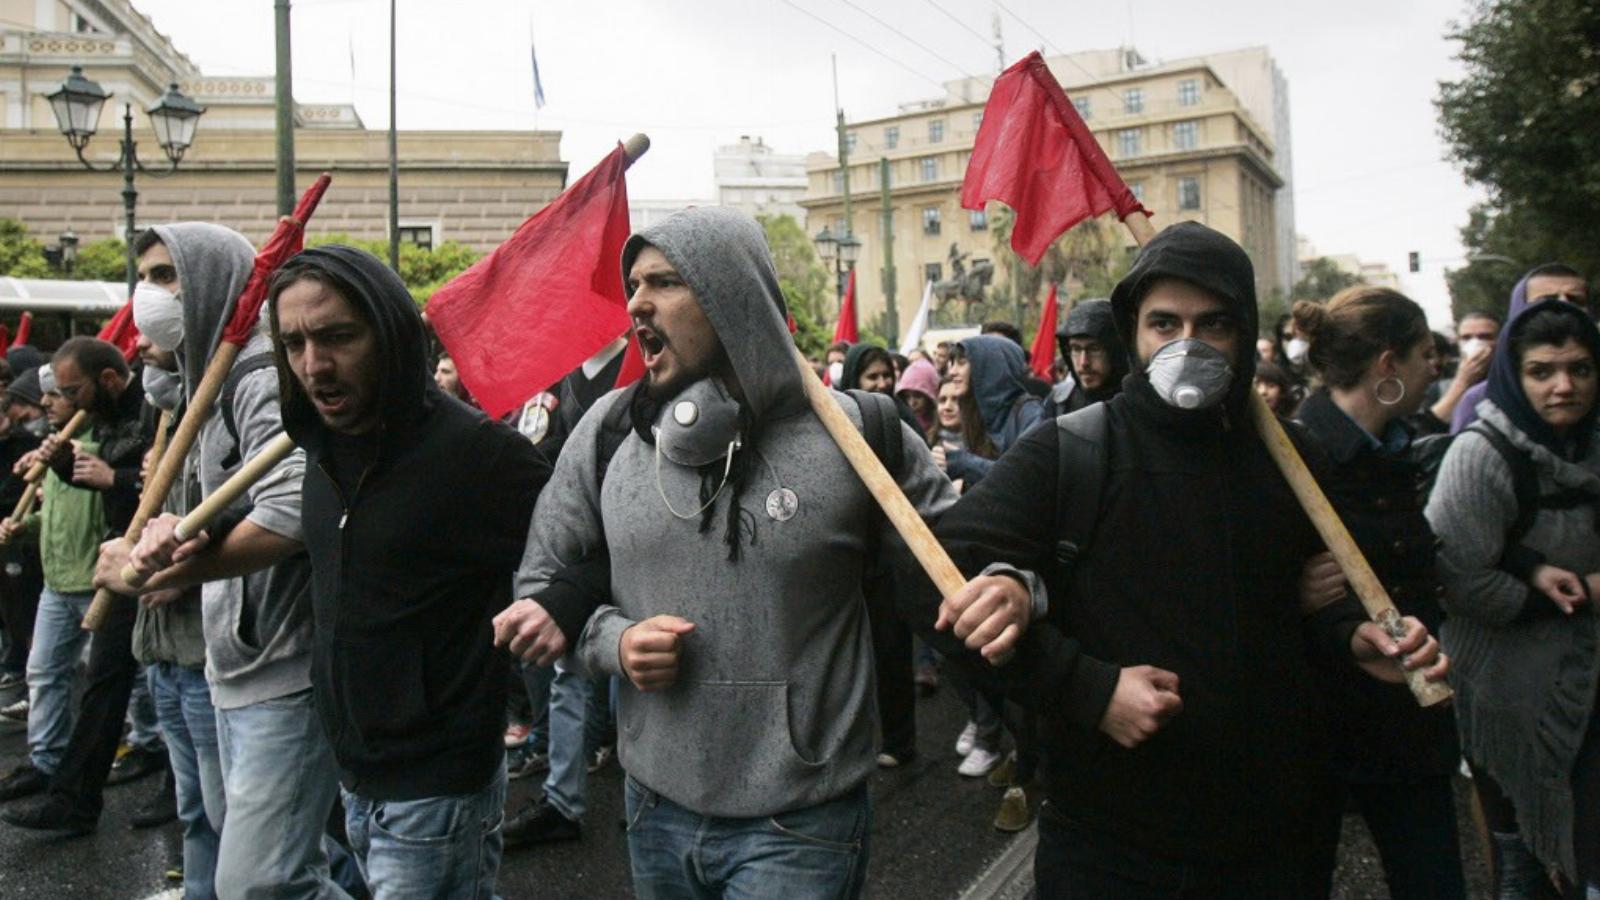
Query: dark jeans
x=19, y=602
x=891, y=652
x=1414, y=825
x=1075, y=862
x=107, y=684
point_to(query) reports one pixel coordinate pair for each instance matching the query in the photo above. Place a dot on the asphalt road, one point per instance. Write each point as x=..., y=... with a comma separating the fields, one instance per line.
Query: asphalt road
x=931, y=838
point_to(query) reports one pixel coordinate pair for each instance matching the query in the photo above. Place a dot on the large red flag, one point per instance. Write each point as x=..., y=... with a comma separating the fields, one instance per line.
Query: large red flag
x=122, y=332
x=846, y=330
x=1042, y=358
x=1034, y=153
x=545, y=300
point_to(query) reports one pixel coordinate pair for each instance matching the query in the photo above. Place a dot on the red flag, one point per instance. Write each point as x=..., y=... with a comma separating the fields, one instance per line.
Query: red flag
x=24, y=329
x=1042, y=358
x=1034, y=153
x=5, y=335
x=122, y=332
x=286, y=241
x=545, y=300
x=846, y=329
x=632, y=365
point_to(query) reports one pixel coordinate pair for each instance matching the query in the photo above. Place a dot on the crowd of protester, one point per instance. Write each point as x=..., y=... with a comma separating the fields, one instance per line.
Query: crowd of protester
x=1157, y=660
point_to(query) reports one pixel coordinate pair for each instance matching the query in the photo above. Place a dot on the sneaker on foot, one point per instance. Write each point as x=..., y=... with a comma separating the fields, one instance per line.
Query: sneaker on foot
x=978, y=762
x=1013, y=815
x=136, y=764
x=967, y=740
x=539, y=823
x=517, y=734
x=16, y=712
x=23, y=781
x=602, y=758
x=53, y=813
x=12, y=679
x=160, y=808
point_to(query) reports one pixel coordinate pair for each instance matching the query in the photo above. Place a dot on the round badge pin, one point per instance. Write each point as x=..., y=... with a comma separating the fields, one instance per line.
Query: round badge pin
x=782, y=504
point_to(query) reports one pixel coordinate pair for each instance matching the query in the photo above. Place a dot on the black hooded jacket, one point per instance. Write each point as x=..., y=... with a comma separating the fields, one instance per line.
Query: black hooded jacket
x=413, y=533
x=1091, y=319
x=1192, y=567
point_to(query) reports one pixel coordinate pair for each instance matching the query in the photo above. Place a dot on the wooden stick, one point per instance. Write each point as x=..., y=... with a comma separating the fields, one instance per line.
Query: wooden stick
x=946, y=577
x=25, y=503
x=201, y=517
x=67, y=433
x=171, y=465
x=1315, y=503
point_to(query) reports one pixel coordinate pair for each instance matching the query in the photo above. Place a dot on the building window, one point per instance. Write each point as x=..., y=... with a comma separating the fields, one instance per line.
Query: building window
x=1189, y=92
x=1137, y=188
x=1186, y=135
x=1133, y=100
x=979, y=220
x=1188, y=193
x=930, y=168
x=1128, y=142
x=891, y=137
x=1085, y=110
x=936, y=131
x=930, y=220
x=932, y=272
x=421, y=235
x=977, y=121
x=850, y=143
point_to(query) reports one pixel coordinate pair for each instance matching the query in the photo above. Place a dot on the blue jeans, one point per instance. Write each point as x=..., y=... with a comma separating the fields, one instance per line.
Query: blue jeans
x=58, y=641
x=804, y=854
x=189, y=723
x=279, y=774
x=435, y=848
x=144, y=726
x=571, y=696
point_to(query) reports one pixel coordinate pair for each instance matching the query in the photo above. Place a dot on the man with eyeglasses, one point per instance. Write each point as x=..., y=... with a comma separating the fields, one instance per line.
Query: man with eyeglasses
x=1095, y=358
x=1551, y=281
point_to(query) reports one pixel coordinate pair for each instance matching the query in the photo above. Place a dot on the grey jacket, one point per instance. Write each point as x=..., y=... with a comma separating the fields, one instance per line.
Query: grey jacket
x=773, y=708
x=257, y=628
x=1525, y=675
x=173, y=632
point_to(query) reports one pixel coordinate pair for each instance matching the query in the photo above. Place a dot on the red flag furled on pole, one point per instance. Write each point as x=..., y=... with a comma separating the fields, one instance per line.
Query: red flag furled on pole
x=24, y=329
x=545, y=300
x=1042, y=358
x=286, y=240
x=122, y=332
x=846, y=330
x=1034, y=153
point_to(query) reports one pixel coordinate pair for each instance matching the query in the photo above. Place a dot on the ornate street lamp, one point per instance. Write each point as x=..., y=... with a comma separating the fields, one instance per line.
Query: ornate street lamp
x=841, y=251
x=77, y=104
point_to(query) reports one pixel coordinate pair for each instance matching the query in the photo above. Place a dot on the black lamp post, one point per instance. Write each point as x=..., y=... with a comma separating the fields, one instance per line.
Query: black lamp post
x=841, y=251
x=77, y=103
x=65, y=253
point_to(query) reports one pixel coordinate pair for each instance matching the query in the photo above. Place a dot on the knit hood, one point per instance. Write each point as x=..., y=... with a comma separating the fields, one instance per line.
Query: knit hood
x=722, y=255
x=213, y=264
x=1209, y=260
x=921, y=378
x=1504, y=384
x=998, y=366
x=405, y=381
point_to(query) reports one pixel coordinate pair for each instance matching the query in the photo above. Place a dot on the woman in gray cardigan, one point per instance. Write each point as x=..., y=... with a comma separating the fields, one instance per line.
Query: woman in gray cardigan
x=1521, y=623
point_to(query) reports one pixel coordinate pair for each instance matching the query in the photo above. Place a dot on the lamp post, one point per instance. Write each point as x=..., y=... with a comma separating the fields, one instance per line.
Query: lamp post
x=841, y=252
x=65, y=253
x=77, y=103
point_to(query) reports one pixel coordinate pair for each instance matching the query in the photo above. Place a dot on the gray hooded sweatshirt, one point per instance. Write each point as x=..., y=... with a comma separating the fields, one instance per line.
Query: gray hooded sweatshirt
x=773, y=708
x=257, y=628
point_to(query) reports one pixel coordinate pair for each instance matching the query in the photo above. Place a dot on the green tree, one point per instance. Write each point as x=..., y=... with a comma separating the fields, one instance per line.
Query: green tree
x=1521, y=123
x=1320, y=279
x=102, y=260
x=807, y=286
x=20, y=255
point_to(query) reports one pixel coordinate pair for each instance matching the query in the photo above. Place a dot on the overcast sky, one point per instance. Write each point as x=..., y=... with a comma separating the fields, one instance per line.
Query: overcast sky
x=1370, y=172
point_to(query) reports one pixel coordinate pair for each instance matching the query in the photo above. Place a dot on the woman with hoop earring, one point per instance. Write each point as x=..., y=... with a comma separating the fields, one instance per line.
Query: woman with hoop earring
x=1373, y=352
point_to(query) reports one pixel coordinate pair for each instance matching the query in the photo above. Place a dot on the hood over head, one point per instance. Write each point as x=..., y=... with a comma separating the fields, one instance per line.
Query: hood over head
x=722, y=255
x=1095, y=319
x=213, y=264
x=998, y=366
x=856, y=359
x=23, y=359
x=1504, y=384
x=1209, y=260
x=920, y=377
x=405, y=380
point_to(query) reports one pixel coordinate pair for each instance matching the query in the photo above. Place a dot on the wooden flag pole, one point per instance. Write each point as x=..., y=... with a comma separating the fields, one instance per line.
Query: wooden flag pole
x=201, y=517
x=30, y=494
x=67, y=433
x=1362, y=579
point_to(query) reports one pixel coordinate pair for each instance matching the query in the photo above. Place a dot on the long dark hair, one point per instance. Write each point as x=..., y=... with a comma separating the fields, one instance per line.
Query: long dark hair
x=973, y=434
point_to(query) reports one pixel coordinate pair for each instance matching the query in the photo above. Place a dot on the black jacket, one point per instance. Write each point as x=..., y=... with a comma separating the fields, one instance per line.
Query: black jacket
x=1380, y=733
x=413, y=534
x=1193, y=567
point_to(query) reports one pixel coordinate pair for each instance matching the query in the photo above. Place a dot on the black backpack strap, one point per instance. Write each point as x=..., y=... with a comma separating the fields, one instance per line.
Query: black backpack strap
x=1080, y=479
x=880, y=426
x=1524, y=481
x=614, y=430
x=230, y=387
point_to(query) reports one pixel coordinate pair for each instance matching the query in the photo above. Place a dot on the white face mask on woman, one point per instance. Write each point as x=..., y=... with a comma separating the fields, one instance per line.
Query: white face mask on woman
x=158, y=313
x=1296, y=349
